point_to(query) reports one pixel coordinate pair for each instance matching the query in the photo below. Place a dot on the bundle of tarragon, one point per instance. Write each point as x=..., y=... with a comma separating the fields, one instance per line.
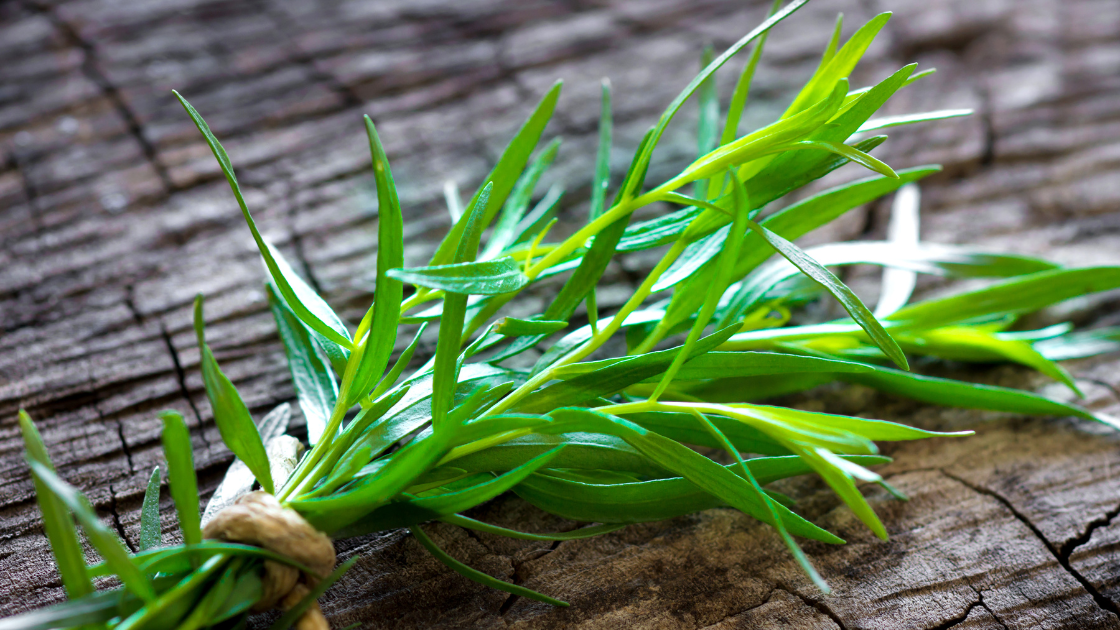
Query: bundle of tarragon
x=606, y=434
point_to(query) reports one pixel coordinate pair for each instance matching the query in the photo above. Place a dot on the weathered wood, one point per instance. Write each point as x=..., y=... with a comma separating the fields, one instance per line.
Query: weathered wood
x=112, y=216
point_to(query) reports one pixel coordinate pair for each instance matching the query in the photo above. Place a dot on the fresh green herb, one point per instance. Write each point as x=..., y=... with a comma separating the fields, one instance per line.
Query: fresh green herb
x=608, y=440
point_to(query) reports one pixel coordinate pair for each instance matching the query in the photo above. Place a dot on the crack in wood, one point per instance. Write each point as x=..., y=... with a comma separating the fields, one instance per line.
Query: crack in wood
x=819, y=605
x=117, y=519
x=181, y=378
x=110, y=91
x=1072, y=544
x=1102, y=602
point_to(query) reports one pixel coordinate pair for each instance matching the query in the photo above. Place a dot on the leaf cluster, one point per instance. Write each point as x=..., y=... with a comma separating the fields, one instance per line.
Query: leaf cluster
x=609, y=441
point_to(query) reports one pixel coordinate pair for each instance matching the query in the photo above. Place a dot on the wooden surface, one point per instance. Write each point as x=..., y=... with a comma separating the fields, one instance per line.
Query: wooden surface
x=112, y=216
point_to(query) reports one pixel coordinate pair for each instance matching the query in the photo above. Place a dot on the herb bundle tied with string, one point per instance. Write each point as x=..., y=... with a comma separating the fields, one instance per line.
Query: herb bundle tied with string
x=604, y=441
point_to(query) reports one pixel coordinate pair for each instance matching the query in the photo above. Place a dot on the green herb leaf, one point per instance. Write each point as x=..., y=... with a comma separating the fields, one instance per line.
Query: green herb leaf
x=303, y=301
x=378, y=343
x=181, y=477
x=503, y=177
x=1019, y=295
x=514, y=327
x=230, y=414
x=101, y=537
x=487, y=277
x=59, y=527
x=316, y=388
x=838, y=289
x=151, y=535
x=476, y=575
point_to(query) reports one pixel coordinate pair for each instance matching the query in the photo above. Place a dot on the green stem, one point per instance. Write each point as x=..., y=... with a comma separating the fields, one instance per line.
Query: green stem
x=596, y=340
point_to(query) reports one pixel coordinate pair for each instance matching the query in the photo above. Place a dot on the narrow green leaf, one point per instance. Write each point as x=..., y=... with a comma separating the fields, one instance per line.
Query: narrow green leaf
x=476, y=575
x=505, y=230
x=514, y=327
x=151, y=535
x=1018, y=295
x=907, y=119
x=181, y=476
x=724, y=267
x=445, y=363
x=378, y=343
x=57, y=523
x=839, y=65
x=853, y=154
x=487, y=277
x=101, y=537
x=394, y=373
x=503, y=177
x=230, y=414
x=303, y=301
x=838, y=289
x=316, y=388
x=602, y=176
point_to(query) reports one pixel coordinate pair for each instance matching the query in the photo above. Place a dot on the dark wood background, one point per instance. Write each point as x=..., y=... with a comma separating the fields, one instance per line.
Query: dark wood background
x=113, y=215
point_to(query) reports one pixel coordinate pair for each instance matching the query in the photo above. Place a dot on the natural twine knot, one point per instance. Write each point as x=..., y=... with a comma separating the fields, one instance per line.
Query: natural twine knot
x=258, y=519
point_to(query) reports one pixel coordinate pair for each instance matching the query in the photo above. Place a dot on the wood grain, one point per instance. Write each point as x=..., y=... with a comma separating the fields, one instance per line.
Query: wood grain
x=113, y=215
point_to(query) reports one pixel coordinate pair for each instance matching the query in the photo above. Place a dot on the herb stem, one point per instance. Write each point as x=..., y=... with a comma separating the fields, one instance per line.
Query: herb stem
x=597, y=339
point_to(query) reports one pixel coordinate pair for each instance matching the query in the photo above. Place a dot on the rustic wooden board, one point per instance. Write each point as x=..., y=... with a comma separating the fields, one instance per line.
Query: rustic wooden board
x=112, y=216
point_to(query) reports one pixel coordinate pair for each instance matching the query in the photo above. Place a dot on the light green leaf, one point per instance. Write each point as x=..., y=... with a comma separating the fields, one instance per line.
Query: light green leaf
x=487, y=277
x=907, y=119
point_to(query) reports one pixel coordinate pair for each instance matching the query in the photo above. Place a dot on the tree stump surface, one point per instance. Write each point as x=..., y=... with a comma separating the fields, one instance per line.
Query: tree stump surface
x=113, y=215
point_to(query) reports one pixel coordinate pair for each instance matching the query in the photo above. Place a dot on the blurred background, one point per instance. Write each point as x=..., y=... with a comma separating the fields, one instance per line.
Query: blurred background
x=113, y=213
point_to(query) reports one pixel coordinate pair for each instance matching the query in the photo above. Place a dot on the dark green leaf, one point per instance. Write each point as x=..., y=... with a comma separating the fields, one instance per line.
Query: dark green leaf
x=838, y=289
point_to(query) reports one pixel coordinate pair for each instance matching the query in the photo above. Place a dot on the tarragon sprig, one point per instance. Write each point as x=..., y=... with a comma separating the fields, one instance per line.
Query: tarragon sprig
x=597, y=440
